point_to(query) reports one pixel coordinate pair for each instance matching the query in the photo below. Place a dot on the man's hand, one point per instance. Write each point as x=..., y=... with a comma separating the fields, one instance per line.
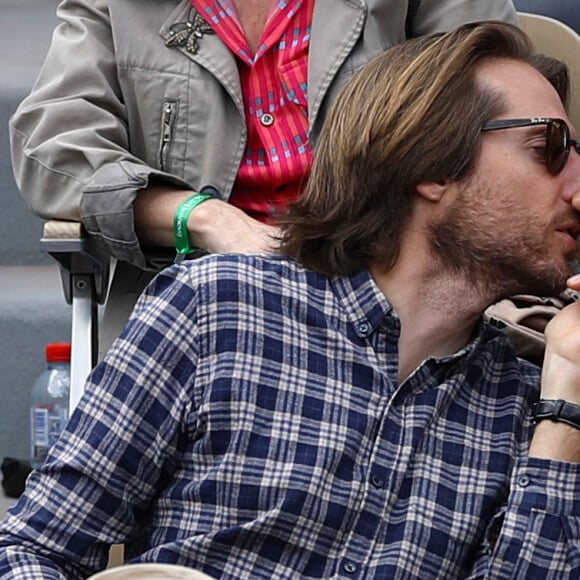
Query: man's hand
x=560, y=380
x=561, y=368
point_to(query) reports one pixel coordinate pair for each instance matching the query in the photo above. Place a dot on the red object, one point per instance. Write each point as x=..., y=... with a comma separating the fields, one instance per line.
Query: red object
x=274, y=84
x=58, y=352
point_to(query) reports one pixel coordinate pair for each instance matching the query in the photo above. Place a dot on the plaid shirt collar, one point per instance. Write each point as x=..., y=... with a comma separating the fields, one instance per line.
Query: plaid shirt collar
x=369, y=310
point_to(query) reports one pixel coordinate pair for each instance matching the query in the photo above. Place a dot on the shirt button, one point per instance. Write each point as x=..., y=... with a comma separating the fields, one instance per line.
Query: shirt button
x=363, y=327
x=350, y=567
x=266, y=119
x=377, y=481
x=523, y=481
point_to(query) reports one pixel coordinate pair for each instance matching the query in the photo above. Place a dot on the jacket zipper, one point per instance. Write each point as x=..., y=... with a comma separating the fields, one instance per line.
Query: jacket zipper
x=167, y=129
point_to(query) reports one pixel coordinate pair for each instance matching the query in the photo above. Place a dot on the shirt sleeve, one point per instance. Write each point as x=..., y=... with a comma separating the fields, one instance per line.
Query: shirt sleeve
x=96, y=486
x=537, y=534
x=442, y=15
x=69, y=138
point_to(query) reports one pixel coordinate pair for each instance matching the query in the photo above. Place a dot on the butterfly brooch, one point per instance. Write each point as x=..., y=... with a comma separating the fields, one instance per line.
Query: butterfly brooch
x=187, y=34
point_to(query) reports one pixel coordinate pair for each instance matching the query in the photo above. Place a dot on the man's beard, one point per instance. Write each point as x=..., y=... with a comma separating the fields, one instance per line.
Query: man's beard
x=498, y=256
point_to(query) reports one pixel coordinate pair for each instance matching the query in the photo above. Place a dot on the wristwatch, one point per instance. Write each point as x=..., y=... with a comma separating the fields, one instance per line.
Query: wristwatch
x=557, y=410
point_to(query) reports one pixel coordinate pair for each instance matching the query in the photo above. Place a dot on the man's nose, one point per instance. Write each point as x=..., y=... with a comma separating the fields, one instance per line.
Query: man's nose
x=574, y=157
x=571, y=191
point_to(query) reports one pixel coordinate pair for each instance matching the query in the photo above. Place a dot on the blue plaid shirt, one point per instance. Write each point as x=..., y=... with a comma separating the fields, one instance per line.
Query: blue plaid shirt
x=250, y=418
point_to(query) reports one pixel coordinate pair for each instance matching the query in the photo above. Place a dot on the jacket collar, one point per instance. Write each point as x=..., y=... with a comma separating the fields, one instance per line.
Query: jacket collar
x=336, y=27
x=212, y=54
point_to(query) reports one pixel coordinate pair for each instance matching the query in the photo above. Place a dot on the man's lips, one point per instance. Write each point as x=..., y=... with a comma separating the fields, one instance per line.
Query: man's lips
x=570, y=226
x=570, y=233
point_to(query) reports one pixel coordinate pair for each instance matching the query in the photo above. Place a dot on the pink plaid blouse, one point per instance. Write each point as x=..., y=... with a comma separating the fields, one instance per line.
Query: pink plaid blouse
x=274, y=86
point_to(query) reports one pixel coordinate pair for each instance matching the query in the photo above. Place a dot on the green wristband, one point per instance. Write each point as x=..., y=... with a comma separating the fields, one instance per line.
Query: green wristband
x=180, y=231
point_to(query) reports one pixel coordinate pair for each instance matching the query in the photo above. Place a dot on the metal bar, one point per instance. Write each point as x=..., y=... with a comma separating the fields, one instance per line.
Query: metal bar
x=83, y=335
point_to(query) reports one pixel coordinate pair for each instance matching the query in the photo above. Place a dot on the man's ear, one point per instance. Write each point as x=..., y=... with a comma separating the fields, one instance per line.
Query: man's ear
x=433, y=190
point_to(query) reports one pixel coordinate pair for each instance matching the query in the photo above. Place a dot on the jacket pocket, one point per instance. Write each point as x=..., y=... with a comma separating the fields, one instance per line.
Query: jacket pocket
x=168, y=121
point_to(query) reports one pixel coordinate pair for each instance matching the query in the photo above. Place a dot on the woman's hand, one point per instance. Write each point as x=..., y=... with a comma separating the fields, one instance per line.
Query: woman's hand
x=214, y=225
x=221, y=228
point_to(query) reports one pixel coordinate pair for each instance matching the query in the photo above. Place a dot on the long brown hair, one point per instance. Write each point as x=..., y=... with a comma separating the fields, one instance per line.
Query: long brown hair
x=412, y=115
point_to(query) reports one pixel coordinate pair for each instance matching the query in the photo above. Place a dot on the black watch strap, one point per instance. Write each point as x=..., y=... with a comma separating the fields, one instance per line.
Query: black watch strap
x=557, y=410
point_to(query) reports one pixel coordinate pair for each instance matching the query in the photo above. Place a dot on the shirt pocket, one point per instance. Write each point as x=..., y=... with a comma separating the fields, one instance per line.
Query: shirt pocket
x=294, y=83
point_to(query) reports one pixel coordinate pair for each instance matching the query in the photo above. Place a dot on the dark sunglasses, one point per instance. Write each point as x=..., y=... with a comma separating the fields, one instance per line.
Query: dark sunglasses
x=558, y=142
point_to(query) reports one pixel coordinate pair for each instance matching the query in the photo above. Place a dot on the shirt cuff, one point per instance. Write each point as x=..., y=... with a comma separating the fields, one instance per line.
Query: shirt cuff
x=107, y=209
x=547, y=485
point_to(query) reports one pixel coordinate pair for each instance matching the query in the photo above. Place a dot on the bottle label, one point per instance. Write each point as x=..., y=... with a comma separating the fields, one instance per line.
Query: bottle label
x=40, y=423
x=48, y=421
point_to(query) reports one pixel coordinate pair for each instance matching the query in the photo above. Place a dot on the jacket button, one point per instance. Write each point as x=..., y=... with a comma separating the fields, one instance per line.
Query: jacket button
x=266, y=119
x=349, y=567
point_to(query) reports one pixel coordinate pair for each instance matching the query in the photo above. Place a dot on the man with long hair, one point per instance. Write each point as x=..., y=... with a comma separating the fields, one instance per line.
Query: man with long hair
x=342, y=410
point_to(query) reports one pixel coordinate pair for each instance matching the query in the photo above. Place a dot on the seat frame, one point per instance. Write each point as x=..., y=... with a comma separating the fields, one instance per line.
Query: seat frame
x=85, y=273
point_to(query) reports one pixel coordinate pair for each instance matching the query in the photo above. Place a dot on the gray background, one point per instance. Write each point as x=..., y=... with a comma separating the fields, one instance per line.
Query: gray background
x=567, y=11
x=32, y=307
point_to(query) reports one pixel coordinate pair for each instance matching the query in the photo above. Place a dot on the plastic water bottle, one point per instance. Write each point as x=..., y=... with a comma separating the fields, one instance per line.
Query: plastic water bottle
x=49, y=409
